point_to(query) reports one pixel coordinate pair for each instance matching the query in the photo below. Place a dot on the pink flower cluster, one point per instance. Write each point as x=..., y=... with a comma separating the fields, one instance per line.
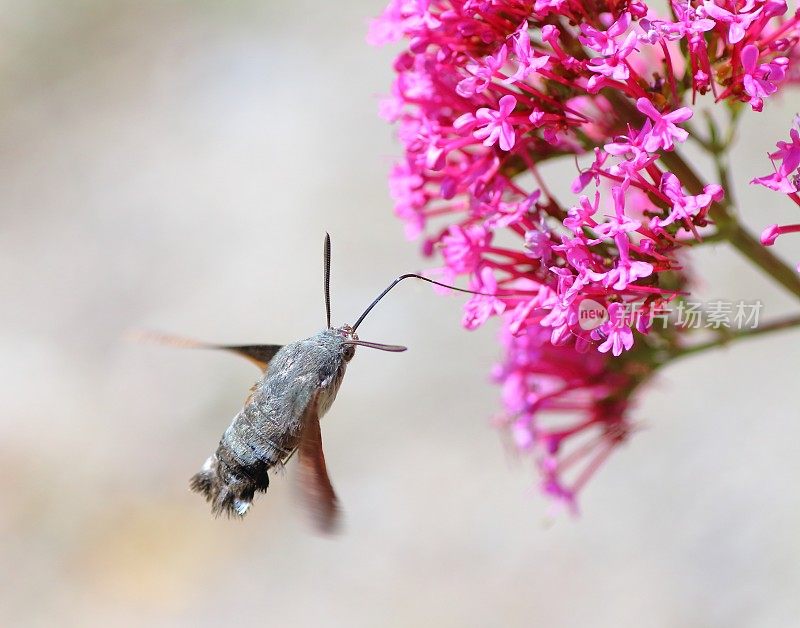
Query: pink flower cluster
x=785, y=179
x=488, y=90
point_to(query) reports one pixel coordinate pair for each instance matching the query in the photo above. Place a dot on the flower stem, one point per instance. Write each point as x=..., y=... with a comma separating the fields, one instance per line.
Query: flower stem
x=724, y=339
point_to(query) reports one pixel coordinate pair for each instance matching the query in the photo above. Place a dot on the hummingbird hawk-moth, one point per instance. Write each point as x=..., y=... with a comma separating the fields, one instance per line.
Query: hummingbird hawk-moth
x=282, y=413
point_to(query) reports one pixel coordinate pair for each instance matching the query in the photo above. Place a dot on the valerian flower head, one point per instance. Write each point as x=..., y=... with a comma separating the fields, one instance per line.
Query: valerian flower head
x=486, y=92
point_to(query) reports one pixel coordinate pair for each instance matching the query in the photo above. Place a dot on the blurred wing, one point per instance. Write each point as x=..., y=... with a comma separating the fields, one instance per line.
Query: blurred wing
x=260, y=355
x=315, y=484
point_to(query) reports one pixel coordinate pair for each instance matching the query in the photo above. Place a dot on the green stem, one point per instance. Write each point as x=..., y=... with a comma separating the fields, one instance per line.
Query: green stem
x=717, y=236
x=778, y=325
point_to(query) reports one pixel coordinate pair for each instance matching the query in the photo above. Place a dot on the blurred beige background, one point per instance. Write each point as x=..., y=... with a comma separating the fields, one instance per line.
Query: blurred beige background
x=174, y=165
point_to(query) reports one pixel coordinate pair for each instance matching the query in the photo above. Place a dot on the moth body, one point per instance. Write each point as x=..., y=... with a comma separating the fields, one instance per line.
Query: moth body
x=301, y=375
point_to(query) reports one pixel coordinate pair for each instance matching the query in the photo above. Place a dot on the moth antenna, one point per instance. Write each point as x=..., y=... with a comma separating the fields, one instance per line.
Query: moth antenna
x=410, y=276
x=326, y=261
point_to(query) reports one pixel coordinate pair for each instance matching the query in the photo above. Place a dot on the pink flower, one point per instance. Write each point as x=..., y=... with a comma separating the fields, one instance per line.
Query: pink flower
x=771, y=233
x=684, y=207
x=527, y=62
x=785, y=179
x=539, y=245
x=691, y=24
x=664, y=129
x=462, y=247
x=580, y=216
x=506, y=214
x=494, y=126
x=632, y=144
x=481, y=73
x=405, y=188
x=400, y=18
x=604, y=42
x=591, y=173
x=619, y=336
x=737, y=22
x=614, y=65
x=762, y=80
x=480, y=307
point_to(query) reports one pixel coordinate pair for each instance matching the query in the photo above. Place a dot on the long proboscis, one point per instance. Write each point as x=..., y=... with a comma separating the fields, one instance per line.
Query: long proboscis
x=411, y=276
x=377, y=345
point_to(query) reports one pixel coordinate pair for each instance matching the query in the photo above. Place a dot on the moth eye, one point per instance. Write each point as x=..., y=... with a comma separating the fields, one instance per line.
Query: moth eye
x=349, y=352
